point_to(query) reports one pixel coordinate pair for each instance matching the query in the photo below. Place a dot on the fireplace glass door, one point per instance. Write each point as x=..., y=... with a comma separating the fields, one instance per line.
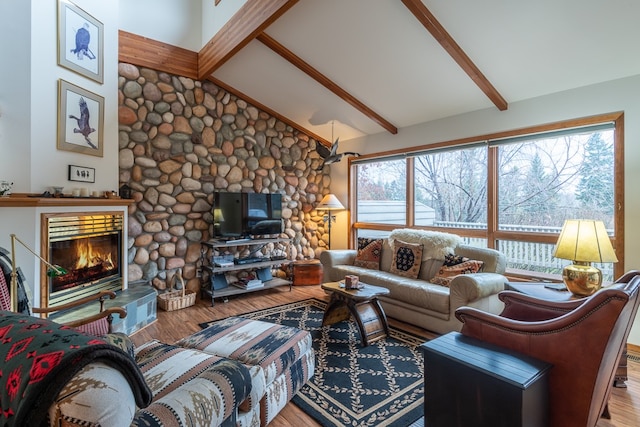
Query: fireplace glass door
x=90, y=250
x=86, y=260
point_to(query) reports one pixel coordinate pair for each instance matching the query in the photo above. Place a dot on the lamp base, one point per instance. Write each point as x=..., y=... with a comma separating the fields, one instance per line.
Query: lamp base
x=582, y=279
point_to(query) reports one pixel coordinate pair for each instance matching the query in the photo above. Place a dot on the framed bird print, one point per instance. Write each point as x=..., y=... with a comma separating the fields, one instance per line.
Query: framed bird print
x=80, y=120
x=80, y=41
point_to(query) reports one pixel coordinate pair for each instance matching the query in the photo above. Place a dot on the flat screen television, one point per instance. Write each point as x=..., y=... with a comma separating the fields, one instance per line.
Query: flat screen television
x=227, y=215
x=244, y=215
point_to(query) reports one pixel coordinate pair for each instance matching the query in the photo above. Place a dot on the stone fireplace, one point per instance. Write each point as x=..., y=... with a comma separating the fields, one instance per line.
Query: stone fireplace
x=89, y=246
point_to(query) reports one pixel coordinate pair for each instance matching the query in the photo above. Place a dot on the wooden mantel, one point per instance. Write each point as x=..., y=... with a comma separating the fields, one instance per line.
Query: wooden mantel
x=22, y=200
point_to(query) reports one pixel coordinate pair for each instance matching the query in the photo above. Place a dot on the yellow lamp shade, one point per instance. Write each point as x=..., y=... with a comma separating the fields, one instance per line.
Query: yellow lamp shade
x=583, y=242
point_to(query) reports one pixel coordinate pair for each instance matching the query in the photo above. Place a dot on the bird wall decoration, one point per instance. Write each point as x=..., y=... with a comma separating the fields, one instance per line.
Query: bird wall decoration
x=84, y=127
x=332, y=156
x=83, y=38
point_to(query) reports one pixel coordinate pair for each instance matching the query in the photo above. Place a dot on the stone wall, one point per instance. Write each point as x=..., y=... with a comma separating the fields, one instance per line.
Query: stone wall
x=180, y=141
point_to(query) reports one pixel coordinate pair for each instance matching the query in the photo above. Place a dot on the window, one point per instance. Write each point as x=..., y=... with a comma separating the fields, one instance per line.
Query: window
x=452, y=186
x=544, y=181
x=382, y=192
x=511, y=192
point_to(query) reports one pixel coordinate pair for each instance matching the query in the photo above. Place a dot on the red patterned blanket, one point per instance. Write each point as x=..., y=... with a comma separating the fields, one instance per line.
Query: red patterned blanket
x=38, y=357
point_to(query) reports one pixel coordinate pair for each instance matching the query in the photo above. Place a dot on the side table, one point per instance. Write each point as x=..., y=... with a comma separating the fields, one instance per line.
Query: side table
x=363, y=304
x=539, y=290
x=307, y=272
x=469, y=382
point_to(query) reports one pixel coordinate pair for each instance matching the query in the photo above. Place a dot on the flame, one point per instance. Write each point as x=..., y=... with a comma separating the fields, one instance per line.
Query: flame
x=89, y=256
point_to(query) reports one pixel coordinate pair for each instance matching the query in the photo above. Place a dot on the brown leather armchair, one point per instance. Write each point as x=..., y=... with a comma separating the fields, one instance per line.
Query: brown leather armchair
x=583, y=339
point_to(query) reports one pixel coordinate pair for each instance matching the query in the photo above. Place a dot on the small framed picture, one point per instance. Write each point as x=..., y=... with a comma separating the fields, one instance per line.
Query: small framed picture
x=80, y=120
x=80, y=41
x=82, y=174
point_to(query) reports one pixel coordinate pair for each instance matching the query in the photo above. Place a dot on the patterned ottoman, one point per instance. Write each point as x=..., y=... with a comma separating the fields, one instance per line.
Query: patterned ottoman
x=284, y=355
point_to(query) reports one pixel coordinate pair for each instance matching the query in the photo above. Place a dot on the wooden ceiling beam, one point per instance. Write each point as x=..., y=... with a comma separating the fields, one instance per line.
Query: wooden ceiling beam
x=432, y=25
x=253, y=17
x=325, y=81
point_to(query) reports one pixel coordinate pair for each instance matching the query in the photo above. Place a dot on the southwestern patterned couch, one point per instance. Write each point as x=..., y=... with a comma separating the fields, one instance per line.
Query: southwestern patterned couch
x=238, y=372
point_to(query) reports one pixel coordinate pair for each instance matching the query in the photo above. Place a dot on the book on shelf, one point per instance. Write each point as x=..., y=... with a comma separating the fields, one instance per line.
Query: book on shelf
x=249, y=284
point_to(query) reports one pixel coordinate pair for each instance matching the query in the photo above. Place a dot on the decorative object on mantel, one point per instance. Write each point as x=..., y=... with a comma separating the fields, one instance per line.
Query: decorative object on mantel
x=584, y=241
x=53, y=271
x=5, y=188
x=82, y=174
x=125, y=191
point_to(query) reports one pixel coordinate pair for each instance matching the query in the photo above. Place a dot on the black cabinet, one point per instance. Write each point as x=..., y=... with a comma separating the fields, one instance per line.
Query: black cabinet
x=472, y=383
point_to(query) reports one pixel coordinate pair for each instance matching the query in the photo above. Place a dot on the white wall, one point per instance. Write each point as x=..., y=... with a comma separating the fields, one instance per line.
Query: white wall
x=617, y=95
x=175, y=22
x=29, y=97
x=28, y=114
x=15, y=91
x=214, y=17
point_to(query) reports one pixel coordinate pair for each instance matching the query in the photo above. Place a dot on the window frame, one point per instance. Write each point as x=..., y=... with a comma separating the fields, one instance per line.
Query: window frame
x=492, y=234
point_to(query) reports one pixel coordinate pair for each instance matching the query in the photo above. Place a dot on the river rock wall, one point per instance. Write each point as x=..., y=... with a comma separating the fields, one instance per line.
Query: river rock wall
x=180, y=141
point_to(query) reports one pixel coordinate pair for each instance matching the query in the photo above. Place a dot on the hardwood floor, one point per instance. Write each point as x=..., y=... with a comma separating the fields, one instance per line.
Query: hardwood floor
x=172, y=326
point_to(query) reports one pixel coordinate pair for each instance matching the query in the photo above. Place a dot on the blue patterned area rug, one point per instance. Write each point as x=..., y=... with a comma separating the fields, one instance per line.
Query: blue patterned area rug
x=378, y=385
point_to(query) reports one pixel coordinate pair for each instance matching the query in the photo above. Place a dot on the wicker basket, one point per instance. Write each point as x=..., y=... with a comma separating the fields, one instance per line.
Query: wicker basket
x=176, y=299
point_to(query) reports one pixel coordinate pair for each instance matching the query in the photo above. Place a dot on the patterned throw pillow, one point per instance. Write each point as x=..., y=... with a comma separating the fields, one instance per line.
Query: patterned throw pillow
x=369, y=252
x=407, y=258
x=453, y=259
x=447, y=273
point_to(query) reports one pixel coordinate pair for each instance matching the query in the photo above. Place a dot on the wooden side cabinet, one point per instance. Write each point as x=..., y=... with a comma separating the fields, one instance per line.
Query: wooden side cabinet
x=473, y=383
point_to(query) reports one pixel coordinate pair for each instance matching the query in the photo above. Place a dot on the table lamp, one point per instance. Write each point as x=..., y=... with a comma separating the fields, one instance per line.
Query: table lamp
x=584, y=241
x=330, y=203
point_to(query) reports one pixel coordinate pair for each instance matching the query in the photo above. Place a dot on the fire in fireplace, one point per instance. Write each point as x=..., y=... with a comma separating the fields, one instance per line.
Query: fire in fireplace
x=89, y=247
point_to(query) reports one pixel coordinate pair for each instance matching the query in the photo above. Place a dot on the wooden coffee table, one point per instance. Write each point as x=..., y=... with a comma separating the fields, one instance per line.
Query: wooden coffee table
x=362, y=304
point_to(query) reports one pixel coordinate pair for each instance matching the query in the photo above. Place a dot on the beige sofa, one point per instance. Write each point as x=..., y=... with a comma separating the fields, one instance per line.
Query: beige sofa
x=419, y=302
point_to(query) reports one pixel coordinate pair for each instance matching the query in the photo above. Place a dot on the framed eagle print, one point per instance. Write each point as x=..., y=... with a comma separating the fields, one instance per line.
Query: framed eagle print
x=80, y=120
x=80, y=41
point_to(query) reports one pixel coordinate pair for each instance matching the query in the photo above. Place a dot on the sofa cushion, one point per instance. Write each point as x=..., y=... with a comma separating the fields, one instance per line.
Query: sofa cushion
x=412, y=291
x=429, y=269
x=253, y=342
x=191, y=387
x=453, y=259
x=97, y=395
x=447, y=273
x=407, y=258
x=369, y=253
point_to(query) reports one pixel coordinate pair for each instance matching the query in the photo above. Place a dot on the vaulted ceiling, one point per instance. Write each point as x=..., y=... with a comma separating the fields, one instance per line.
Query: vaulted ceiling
x=349, y=68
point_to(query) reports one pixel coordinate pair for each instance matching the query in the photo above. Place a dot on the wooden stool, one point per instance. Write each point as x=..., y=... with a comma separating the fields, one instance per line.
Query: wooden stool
x=307, y=272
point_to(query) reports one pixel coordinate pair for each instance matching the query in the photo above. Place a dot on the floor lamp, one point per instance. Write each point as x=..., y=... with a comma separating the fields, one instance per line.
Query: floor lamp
x=330, y=203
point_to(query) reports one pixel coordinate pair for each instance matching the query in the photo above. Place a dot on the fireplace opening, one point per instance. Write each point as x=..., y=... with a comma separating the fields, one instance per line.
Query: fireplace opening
x=85, y=259
x=89, y=248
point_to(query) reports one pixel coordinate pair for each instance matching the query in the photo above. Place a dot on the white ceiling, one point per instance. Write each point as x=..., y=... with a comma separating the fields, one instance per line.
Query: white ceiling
x=382, y=55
